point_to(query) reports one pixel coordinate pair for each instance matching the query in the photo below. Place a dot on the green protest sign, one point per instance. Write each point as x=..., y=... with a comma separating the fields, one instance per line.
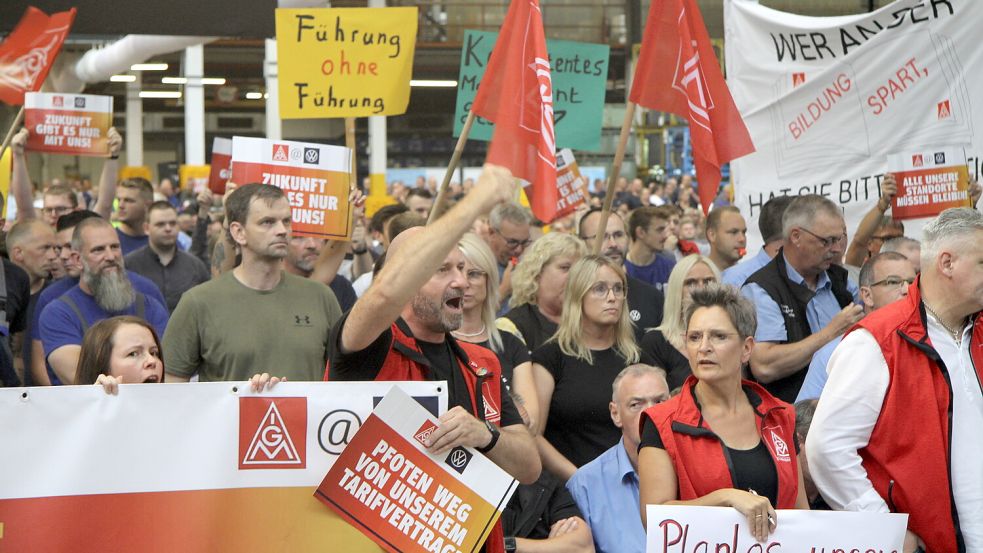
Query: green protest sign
x=579, y=73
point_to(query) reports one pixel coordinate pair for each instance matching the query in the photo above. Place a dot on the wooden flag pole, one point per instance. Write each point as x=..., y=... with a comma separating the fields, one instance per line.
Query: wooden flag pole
x=438, y=204
x=350, y=144
x=619, y=157
x=12, y=131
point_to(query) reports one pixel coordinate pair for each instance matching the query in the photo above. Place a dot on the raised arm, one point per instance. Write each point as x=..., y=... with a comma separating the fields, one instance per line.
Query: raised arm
x=20, y=182
x=410, y=266
x=856, y=254
x=110, y=170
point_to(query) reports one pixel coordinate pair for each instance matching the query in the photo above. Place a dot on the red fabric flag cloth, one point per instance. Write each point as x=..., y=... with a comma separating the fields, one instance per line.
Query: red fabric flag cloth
x=29, y=50
x=516, y=93
x=677, y=72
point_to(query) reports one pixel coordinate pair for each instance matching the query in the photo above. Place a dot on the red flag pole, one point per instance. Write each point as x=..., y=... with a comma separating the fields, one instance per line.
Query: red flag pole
x=438, y=204
x=12, y=131
x=619, y=157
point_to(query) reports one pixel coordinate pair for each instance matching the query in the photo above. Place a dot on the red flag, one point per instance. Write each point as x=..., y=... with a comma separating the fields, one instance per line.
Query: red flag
x=29, y=50
x=516, y=93
x=677, y=72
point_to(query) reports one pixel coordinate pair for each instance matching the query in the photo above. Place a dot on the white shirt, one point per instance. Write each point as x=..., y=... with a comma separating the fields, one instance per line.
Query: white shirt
x=850, y=406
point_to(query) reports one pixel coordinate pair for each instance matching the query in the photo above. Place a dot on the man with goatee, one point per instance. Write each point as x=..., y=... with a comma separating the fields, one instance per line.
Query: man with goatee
x=104, y=290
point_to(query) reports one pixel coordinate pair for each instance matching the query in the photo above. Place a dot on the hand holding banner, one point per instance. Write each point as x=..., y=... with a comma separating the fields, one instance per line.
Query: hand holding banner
x=386, y=484
x=314, y=177
x=685, y=529
x=345, y=62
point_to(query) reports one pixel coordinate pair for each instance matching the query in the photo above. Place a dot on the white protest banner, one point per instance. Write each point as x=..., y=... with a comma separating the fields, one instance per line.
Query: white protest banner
x=684, y=529
x=826, y=99
x=929, y=182
x=314, y=177
x=197, y=467
x=407, y=499
x=71, y=124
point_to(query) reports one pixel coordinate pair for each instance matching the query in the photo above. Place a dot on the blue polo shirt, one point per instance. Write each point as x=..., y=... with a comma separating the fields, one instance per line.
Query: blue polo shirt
x=738, y=274
x=819, y=311
x=606, y=491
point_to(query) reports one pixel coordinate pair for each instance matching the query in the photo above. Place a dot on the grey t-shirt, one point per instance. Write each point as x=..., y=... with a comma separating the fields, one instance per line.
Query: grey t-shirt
x=225, y=331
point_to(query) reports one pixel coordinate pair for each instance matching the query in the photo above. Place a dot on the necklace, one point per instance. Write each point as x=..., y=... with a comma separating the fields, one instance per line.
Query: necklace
x=471, y=335
x=957, y=335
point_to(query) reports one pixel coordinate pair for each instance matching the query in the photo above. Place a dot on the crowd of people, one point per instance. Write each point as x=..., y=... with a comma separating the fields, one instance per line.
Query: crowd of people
x=670, y=367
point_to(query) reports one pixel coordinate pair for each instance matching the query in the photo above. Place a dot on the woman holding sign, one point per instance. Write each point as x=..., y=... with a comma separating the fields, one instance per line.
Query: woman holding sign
x=723, y=441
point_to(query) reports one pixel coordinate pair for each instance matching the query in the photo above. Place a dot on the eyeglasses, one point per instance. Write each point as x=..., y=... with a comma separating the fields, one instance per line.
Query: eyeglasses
x=827, y=242
x=60, y=210
x=717, y=337
x=512, y=243
x=616, y=235
x=600, y=290
x=475, y=275
x=893, y=282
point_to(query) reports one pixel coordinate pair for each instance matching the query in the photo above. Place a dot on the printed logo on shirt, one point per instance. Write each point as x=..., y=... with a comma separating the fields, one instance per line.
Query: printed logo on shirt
x=423, y=434
x=267, y=428
x=787, y=310
x=302, y=320
x=781, y=448
x=458, y=459
x=634, y=315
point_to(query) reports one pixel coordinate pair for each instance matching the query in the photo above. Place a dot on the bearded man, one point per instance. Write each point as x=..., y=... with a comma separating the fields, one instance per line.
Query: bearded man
x=104, y=290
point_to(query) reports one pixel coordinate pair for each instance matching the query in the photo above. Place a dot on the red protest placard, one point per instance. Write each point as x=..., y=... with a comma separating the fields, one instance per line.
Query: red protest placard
x=314, y=177
x=929, y=182
x=221, y=164
x=72, y=124
x=386, y=485
x=572, y=185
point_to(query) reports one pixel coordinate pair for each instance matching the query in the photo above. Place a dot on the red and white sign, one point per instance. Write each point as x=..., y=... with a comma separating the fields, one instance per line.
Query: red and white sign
x=270, y=443
x=314, y=177
x=572, y=185
x=221, y=165
x=72, y=124
x=929, y=182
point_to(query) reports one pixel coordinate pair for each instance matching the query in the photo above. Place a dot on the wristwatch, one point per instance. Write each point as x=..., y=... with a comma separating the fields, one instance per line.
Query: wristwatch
x=510, y=546
x=495, y=434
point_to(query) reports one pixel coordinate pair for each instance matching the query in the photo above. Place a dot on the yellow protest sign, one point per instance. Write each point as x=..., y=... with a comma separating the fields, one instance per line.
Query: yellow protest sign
x=194, y=177
x=5, y=168
x=135, y=171
x=345, y=62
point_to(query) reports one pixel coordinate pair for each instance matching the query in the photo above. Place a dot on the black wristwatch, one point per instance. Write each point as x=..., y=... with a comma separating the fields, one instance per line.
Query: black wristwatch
x=495, y=435
x=359, y=252
x=510, y=546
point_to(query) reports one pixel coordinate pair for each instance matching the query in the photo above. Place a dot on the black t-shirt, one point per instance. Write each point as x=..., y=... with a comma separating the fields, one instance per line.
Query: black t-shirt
x=18, y=296
x=676, y=364
x=644, y=306
x=513, y=354
x=534, y=327
x=365, y=365
x=579, y=425
x=535, y=508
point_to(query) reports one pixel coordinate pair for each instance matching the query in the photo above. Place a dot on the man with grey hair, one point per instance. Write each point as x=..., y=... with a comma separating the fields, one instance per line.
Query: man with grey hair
x=803, y=300
x=917, y=359
x=908, y=247
x=104, y=290
x=508, y=237
x=606, y=489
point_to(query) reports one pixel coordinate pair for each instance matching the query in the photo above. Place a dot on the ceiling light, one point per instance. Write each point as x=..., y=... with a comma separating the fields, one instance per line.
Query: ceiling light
x=160, y=93
x=254, y=95
x=122, y=78
x=184, y=80
x=433, y=83
x=148, y=67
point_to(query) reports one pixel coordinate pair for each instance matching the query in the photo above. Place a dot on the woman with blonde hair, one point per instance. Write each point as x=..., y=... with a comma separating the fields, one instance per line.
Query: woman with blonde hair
x=478, y=325
x=665, y=343
x=538, y=282
x=575, y=369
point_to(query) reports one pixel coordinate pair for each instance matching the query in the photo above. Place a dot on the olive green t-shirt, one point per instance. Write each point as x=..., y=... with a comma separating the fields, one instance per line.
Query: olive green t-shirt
x=225, y=331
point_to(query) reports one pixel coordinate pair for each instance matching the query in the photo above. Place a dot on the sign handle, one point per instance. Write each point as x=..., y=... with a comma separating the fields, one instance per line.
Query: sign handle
x=438, y=204
x=350, y=144
x=619, y=156
x=13, y=129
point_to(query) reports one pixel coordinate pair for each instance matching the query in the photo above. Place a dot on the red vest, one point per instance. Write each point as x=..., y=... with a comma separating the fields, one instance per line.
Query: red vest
x=907, y=457
x=479, y=368
x=699, y=456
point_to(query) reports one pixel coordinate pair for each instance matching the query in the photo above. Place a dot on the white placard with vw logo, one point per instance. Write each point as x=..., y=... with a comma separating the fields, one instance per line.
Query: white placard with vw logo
x=314, y=177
